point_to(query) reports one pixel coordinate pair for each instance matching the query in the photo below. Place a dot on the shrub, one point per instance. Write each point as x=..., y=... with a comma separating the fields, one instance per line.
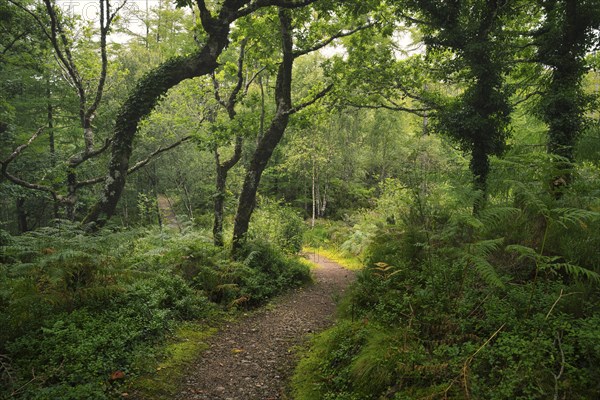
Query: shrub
x=277, y=224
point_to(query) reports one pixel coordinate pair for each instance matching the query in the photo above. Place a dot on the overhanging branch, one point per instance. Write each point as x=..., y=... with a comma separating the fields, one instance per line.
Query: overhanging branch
x=138, y=165
x=318, y=96
x=330, y=39
x=250, y=8
x=155, y=153
x=21, y=182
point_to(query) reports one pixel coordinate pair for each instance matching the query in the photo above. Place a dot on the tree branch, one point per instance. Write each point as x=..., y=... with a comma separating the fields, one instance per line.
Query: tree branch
x=18, y=181
x=41, y=24
x=156, y=152
x=338, y=35
x=250, y=8
x=78, y=160
x=22, y=147
x=138, y=165
x=206, y=17
x=253, y=78
x=417, y=111
x=318, y=96
x=14, y=41
x=232, y=100
x=217, y=94
x=237, y=154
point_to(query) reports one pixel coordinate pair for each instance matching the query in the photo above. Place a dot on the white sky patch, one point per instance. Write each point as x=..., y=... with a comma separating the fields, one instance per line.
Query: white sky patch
x=133, y=12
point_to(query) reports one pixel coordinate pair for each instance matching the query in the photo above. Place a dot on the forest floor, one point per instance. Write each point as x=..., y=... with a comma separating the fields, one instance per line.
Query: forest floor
x=254, y=357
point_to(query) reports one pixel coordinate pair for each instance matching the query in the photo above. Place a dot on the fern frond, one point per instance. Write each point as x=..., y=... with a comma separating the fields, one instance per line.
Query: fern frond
x=577, y=272
x=528, y=198
x=485, y=247
x=250, y=258
x=484, y=269
x=524, y=252
x=575, y=216
x=493, y=217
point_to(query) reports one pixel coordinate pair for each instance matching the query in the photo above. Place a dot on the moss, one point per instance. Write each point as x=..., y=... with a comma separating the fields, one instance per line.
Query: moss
x=351, y=263
x=189, y=341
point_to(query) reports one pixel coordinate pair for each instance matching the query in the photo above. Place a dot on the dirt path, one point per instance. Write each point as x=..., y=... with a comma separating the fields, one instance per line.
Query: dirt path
x=166, y=212
x=253, y=359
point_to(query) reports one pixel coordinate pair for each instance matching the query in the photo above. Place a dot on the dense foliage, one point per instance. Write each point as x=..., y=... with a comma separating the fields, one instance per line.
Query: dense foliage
x=452, y=147
x=450, y=305
x=80, y=313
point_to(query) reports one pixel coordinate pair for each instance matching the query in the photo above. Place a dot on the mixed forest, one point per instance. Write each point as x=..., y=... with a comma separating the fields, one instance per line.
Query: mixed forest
x=164, y=164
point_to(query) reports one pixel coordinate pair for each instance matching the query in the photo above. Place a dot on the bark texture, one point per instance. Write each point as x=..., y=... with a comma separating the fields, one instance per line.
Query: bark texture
x=141, y=102
x=271, y=137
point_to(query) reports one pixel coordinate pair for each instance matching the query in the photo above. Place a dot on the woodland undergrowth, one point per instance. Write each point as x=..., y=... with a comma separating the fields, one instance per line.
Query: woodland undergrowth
x=84, y=315
x=451, y=305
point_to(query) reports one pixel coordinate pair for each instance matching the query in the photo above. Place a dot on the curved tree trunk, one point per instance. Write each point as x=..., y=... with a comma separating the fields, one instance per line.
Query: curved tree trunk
x=157, y=82
x=139, y=104
x=142, y=101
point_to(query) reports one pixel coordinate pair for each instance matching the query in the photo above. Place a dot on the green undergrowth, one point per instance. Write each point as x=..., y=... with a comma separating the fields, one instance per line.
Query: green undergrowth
x=451, y=305
x=85, y=315
x=187, y=342
x=345, y=260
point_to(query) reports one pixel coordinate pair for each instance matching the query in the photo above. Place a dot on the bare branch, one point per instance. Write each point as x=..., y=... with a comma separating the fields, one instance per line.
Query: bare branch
x=138, y=165
x=22, y=147
x=417, y=111
x=156, y=152
x=318, y=96
x=330, y=39
x=78, y=160
x=89, y=182
x=253, y=78
x=18, y=181
x=250, y=8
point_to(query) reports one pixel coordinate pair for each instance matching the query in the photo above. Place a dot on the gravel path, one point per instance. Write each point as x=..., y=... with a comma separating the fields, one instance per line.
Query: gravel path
x=253, y=358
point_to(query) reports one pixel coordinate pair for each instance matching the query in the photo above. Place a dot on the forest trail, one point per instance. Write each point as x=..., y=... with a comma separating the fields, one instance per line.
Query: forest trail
x=253, y=358
x=167, y=213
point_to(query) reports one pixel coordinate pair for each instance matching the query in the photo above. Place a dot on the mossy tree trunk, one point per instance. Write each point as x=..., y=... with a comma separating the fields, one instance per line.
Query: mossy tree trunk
x=155, y=84
x=563, y=41
x=144, y=98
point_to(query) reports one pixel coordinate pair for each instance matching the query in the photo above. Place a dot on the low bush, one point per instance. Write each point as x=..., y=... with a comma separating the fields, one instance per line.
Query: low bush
x=277, y=224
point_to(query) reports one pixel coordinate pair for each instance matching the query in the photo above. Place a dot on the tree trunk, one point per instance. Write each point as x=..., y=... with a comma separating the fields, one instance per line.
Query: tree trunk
x=271, y=137
x=480, y=167
x=21, y=215
x=142, y=101
x=219, y=205
x=314, y=198
x=50, y=116
x=564, y=105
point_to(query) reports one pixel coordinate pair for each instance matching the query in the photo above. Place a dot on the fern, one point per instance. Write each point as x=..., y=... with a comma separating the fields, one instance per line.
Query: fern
x=475, y=255
x=550, y=263
x=493, y=217
x=574, y=216
x=528, y=199
x=577, y=271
